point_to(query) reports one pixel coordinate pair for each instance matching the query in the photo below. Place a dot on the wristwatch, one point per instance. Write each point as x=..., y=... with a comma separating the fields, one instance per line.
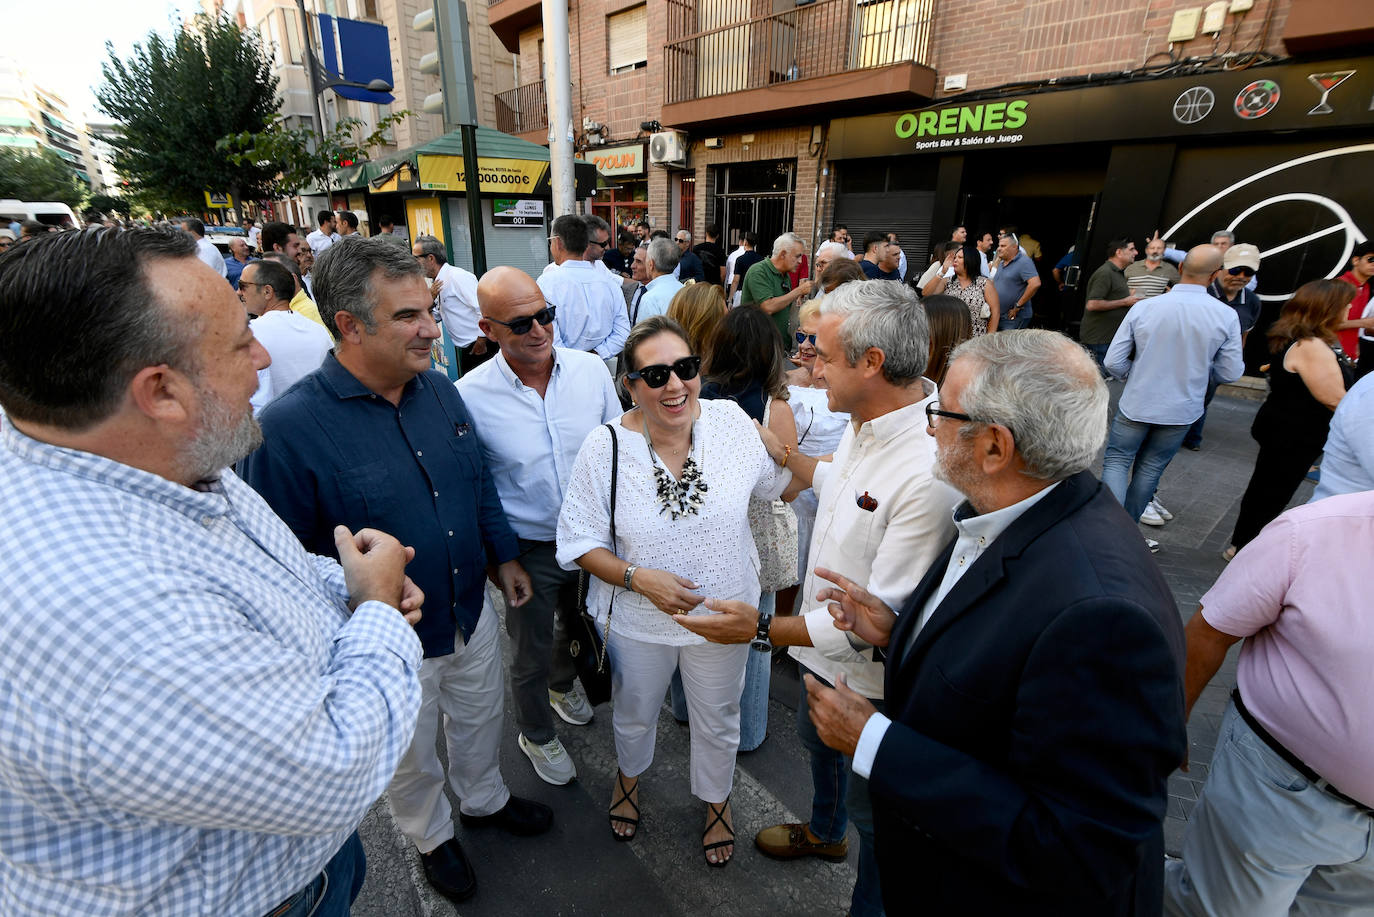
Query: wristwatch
x=761, y=641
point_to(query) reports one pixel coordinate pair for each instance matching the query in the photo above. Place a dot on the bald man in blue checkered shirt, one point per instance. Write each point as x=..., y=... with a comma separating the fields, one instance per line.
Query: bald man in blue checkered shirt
x=195, y=713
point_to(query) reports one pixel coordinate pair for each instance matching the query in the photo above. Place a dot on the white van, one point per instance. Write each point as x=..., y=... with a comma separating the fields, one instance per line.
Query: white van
x=50, y=212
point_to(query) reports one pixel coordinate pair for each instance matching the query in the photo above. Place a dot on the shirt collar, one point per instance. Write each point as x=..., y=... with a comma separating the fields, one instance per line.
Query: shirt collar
x=899, y=421
x=655, y=280
x=514, y=381
x=345, y=385
x=206, y=499
x=578, y=264
x=989, y=525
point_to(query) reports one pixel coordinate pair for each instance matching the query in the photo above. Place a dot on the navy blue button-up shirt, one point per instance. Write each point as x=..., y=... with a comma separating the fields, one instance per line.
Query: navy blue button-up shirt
x=336, y=453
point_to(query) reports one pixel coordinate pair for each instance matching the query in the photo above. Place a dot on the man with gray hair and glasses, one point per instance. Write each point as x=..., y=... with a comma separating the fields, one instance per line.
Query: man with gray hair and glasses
x=1033, y=685
x=375, y=437
x=882, y=517
x=768, y=286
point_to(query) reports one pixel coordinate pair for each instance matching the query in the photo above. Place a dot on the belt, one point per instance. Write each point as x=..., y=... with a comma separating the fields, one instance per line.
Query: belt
x=1297, y=764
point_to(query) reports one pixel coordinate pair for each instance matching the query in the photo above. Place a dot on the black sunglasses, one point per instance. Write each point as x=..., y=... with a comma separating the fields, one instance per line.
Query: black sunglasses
x=524, y=324
x=656, y=376
x=802, y=338
x=1239, y=271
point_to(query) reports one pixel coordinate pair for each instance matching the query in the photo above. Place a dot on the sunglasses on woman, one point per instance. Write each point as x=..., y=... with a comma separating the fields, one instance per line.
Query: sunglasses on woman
x=523, y=325
x=656, y=376
x=804, y=338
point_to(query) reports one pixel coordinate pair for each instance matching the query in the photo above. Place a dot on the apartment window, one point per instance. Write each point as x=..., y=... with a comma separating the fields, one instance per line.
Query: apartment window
x=293, y=36
x=628, y=40
x=275, y=38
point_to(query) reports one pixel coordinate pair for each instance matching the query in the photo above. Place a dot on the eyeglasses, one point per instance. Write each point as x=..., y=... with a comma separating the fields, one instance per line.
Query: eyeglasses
x=656, y=376
x=524, y=324
x=1241, y=271
x=803, y=338
x=933, y=411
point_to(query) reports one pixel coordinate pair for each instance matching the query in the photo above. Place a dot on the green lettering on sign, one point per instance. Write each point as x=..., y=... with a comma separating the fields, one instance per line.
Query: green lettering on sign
x=928, y=123
x=1016, y=114
x=949, y=121
x=971, y=119
x=992, y=116
x=906, y=126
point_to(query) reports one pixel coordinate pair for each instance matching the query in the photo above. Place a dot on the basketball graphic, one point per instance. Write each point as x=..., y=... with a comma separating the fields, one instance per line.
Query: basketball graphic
x=1193, y=105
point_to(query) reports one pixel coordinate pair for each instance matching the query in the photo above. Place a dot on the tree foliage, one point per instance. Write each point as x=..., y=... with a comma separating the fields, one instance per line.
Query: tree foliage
x=39, y=176
x=174, y=97
x=302, y=158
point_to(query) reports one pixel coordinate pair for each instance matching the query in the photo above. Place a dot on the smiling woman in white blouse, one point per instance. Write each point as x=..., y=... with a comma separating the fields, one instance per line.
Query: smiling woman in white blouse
x=686, y=471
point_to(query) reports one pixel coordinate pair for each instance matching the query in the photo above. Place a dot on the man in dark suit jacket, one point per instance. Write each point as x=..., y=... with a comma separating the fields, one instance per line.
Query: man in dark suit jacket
x=1034, y=679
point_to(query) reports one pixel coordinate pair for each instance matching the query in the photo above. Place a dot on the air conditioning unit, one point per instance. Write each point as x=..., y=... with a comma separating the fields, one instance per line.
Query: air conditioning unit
x=668, y=148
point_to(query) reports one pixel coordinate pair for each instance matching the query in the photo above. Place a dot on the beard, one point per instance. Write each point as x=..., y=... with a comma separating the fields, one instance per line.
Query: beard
x=952, y=465
x=225, y=436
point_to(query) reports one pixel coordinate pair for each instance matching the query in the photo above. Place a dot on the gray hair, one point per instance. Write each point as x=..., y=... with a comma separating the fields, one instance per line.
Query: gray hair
x=835, y=249
x=886, y=315
x=785, y=241
x=1226, y=234
x=595, y=222
x=1046, y=390
x=683, y=232
x=432, y=246
x=664, y=254
x=343, y=278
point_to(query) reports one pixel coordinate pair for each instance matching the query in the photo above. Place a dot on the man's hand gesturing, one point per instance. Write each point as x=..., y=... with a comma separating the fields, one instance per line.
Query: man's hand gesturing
x=374, y=565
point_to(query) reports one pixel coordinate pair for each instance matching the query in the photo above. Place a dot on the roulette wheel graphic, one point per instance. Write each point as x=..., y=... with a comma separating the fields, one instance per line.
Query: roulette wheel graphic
x=1257, y=100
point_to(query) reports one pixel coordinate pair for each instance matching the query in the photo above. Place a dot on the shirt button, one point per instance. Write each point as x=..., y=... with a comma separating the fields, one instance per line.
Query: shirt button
x=982, y=540
x=436, y=493
x=207, y=521
x=455, y=571
x=450, y=533
x=419, y=452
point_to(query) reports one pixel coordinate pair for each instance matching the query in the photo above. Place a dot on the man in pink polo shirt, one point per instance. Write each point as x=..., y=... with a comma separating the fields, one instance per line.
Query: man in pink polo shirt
x=1285, y=818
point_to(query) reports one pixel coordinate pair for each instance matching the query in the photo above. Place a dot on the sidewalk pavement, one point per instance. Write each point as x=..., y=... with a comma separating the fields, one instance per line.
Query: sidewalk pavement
x=577, y=869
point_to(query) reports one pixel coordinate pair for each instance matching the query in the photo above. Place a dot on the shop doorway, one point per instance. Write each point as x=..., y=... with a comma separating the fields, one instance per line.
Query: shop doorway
x=755, y=196
x=1056, y=223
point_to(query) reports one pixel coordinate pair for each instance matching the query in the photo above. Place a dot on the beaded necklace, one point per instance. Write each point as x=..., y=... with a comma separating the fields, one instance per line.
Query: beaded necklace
x=681, y=496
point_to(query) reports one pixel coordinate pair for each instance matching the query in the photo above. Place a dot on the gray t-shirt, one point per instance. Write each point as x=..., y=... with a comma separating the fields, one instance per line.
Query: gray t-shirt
x=1011, y=280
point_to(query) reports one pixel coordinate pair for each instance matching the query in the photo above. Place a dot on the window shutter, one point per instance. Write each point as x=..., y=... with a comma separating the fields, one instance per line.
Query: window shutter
x=629, y=39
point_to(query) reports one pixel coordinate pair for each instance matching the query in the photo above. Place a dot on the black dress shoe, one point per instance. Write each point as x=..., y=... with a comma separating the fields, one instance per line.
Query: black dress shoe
x=523, y=817
x=447, y=869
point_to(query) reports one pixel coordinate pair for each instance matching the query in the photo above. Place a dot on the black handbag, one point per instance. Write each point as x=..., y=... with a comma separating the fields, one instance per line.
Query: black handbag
x=586, y=645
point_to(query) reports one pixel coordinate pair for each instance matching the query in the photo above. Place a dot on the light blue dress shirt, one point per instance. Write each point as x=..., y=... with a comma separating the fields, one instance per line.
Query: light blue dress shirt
x=591, y=307
x=1348, y=460
x=190, y=721
x=530, y=443
x=1168, y=347
x=658, y=296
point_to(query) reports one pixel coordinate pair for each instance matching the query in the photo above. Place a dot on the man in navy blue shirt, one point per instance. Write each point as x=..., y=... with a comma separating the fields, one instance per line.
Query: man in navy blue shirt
x=375, y=438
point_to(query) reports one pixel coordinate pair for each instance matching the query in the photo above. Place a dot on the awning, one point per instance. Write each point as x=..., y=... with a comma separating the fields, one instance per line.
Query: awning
x=506, y=166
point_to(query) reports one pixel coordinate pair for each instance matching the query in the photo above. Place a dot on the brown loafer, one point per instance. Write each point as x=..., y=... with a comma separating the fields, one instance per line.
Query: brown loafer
x=787, y=842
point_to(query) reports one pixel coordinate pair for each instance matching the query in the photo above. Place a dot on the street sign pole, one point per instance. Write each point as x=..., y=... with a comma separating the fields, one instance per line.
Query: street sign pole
x=460, y=111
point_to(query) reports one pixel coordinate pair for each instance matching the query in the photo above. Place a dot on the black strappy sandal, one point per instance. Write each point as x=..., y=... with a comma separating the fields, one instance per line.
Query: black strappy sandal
x=718, y=817
x=624, y=819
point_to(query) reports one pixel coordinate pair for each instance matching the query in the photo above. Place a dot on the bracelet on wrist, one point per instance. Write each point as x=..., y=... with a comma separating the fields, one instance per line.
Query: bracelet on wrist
x=786, y=456
x=629, y=577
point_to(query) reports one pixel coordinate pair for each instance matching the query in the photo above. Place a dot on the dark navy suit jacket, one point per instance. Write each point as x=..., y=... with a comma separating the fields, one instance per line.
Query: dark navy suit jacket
x=1036, y=719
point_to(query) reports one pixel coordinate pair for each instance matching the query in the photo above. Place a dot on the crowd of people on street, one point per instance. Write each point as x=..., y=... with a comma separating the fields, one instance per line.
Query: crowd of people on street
x=260, y=552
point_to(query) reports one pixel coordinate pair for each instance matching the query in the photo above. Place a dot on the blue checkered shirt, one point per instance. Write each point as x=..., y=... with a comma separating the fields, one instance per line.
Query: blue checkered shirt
x=190, y=722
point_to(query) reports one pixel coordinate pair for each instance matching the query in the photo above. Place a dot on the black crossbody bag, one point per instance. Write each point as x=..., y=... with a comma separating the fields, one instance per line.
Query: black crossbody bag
x=586, y=645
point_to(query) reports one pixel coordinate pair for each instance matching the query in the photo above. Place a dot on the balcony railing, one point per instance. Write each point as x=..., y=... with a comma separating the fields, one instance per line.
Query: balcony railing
x=825, y=38
x=524, y=108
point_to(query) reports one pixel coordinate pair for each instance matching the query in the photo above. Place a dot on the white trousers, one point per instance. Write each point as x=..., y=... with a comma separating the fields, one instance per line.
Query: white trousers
x=466, y=689
x=712, y=679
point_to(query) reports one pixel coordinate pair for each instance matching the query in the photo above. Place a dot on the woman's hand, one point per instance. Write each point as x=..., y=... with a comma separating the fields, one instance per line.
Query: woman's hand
x=771, y=442
x=670, y=593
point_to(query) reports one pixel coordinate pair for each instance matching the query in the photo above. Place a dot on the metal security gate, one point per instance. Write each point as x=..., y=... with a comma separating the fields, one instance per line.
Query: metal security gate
x=907, y=213
x=755, y=196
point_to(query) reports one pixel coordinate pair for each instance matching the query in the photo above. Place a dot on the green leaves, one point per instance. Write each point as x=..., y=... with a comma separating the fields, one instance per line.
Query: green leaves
x=302, y=158
x=175, y=96
x=39, y=176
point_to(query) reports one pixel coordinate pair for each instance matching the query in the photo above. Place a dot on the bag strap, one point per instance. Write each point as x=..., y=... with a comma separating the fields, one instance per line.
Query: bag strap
x=615, y=473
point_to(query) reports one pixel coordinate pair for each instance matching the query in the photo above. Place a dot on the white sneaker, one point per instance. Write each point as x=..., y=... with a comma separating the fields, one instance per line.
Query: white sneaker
x=1151, y=516
x=1149, y=543
x=572, y=706
x=551, y=761
x=1159, y=508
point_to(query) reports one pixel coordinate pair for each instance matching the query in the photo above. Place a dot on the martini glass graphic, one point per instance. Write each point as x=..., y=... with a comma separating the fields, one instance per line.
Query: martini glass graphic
x=1327, y=82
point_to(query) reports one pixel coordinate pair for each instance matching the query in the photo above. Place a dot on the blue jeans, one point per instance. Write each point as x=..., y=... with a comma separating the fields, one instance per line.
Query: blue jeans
x=753, y=703
x=1099, y=354
x=331, y=893
x=1022, y=320
x=838, y=795
x=1194, y=437
x=1139, y=452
